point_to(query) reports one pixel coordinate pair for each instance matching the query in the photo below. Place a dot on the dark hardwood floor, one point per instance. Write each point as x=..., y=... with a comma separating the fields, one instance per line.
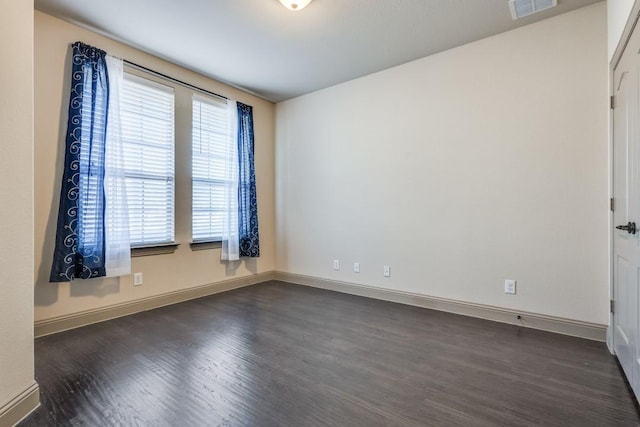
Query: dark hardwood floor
x=277, y=354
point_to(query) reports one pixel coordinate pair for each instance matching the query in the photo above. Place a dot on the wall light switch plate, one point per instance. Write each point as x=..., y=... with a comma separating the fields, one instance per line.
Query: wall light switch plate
x=510, y=287
x=356, y=267
x=336, y=264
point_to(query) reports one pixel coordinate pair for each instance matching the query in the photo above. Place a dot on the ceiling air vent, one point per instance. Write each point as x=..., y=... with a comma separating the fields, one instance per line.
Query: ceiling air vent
x=522, y=8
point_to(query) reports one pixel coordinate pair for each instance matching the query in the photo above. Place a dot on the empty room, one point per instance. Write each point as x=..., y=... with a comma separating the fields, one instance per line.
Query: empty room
x=320, y=213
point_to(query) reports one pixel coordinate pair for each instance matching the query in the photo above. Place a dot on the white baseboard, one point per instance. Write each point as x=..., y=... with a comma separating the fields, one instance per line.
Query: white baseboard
x=76, y=320
x=20, y=406
x=560, y=325
x=592, y=331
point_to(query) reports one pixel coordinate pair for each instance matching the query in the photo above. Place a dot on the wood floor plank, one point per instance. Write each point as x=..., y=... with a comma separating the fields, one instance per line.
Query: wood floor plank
x=277, y=354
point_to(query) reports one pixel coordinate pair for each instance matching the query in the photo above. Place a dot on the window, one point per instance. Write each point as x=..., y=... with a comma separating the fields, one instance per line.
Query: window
x=147, y=116
x=210, y=136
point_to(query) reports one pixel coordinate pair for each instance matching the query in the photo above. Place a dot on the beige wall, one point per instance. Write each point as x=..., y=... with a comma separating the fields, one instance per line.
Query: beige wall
x=162, y=273
x=618, y=12
x=460, y=170
x=16, y=187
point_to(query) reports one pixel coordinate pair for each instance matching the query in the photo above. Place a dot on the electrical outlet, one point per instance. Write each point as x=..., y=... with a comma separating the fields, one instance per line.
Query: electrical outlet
x=387, y=271
x=336, y=264
x=137, y=279
x=510, y=287
x=356, y=267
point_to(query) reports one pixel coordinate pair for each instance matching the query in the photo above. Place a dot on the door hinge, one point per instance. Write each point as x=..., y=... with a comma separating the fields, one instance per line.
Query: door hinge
x=612, y=306
x=612, y=102
x=612, y=204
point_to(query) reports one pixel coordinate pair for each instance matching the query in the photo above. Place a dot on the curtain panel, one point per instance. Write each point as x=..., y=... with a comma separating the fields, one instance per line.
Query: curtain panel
x=117, y=254
x=80, y=246
x=230, y=238
x=247, y=201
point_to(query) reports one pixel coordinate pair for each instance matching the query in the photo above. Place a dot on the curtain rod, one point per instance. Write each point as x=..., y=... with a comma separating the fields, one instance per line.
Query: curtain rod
x=159, y=74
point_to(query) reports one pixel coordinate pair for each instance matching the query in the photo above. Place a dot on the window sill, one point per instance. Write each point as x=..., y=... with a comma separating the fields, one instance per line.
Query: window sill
x=203, y=246
x=154, y=250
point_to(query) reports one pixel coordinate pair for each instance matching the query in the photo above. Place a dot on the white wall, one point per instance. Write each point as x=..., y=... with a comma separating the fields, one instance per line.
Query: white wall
x=618, y=12
x=459, y=170
x=163, y=274
x=16, y=187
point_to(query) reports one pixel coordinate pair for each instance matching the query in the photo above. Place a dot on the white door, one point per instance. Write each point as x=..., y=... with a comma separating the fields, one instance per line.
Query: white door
x=626, y=242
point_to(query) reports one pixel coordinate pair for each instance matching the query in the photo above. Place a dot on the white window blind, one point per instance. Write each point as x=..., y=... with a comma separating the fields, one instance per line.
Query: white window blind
x=210, y=130
x=147, y=116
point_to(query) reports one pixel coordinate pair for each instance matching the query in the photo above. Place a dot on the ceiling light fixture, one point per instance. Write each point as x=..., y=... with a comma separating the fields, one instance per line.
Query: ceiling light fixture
x=295, y=4
x=522, y=8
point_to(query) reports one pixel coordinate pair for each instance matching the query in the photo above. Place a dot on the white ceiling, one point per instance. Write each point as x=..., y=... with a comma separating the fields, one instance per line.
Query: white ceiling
x=260, y=46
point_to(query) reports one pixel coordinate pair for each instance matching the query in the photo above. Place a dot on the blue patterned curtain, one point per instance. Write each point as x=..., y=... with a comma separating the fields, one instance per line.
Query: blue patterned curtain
x=80, y=243
x=247, y=203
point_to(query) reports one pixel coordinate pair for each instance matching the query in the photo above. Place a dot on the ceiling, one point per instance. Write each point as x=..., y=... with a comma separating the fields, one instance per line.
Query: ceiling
x=277, y=54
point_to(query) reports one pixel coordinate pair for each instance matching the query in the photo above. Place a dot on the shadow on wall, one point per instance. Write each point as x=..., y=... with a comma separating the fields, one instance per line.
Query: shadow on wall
x=47, y=293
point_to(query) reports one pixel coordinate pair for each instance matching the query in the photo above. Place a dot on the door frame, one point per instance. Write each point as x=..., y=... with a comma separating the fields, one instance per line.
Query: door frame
x=632, y=21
